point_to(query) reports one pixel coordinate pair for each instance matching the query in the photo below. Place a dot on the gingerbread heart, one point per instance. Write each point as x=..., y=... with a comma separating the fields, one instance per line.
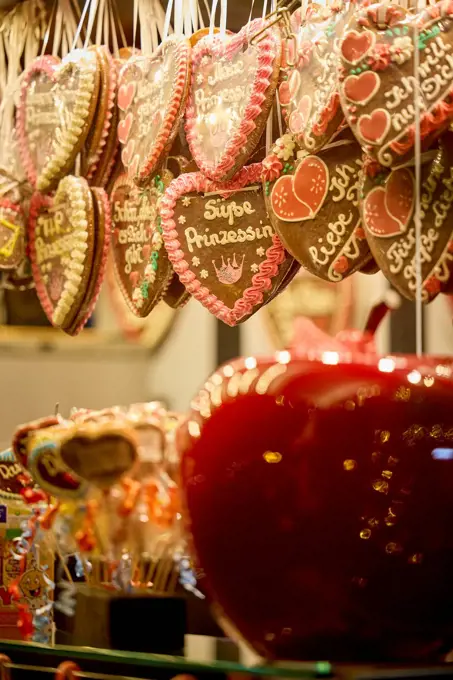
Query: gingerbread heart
x=61, y=233
x=314, y=208
x=377, y=77
x=152, y=93
x=102, y=235
x=12, y=234
x=221, y=244
x=101, y=141
x=56, y=108
x=388, y=211
x=233, y=84
x=309, y=94
x=142, y=268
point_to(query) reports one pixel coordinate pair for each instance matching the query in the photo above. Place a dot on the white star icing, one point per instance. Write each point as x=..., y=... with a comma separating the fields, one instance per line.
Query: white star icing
x=204, y=274
x=181, y=219
x=260, y=251
x=200, y=78
x=186, y=201
x=195, y=261
x=254, y=267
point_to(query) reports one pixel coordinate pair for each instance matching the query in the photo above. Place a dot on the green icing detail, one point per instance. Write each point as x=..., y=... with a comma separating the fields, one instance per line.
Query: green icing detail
x=144, y=289
x=267, y=188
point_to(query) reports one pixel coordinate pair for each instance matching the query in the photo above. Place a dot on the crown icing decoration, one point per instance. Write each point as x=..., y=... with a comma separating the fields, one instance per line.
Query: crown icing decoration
x=233, y=83
x=152, y=92
x=60, y=250
x=56, y=108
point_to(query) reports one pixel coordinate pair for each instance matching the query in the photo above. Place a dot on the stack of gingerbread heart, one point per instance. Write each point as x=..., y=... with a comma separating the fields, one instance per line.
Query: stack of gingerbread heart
x=64, y=149
x=213, y=223
x=341, y=183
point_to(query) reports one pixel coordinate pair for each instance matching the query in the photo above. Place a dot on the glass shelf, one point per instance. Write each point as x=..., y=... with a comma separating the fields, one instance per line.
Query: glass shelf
x=179, y=664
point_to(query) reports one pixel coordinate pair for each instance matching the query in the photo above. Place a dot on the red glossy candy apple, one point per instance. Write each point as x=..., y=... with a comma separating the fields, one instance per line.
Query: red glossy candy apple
x=318, y=487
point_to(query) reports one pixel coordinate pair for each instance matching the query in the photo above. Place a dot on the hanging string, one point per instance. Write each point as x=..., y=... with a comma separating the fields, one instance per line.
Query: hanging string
x=167, y=19
x=134, y=25
x=417, y=213
x=81, y=23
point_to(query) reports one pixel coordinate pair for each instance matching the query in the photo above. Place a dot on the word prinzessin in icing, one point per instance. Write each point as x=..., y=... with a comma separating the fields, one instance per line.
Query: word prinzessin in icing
x=193, y=238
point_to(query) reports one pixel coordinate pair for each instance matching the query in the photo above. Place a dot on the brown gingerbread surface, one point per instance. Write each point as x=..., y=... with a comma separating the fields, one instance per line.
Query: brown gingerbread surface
x=388, y=208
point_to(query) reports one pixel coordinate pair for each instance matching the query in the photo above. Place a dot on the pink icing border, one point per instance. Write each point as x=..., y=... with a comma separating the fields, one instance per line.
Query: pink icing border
x=46, y=65
x=268, y=269
x=103, y=264
x=174, y=107
x=37, y=202
x=217, y=47
x=111, y=97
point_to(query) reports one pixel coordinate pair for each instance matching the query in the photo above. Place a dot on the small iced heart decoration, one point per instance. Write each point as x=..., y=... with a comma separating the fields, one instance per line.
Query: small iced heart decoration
x=387, y=212
x=356, y=45
x=377, y=70
x=300, y=196
x=233, y=83
x=151, y=99
x=55, y=112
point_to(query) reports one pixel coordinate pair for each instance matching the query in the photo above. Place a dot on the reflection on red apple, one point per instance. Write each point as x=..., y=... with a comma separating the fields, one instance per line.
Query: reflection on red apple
x=319, y=496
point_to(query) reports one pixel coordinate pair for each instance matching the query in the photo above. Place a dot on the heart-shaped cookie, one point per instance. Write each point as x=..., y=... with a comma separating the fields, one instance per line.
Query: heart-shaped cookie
x=102, y=231
x=101, y=138
x=221, y=244
x=56, y=108
x=12, y=234
x=152, y=93
x=388, y=211
x=377, y=77
x=314, y=209
x=309, y=94
x=100, y=453
x=142, y=268
x=61, y=233
x=233, y=84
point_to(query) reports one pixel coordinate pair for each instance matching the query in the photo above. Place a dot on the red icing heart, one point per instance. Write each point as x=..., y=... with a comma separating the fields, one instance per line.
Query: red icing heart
x=300, y=196
x=356, y=45
x=126, y=94
x=362, y=88
x=373, y=128
x=284, y=202
x=299, y=456
x=387, y=212
x=233, y=82
x=124, y=128
x=128, y=152
x=134, y=277
x=284, y=94
x=400, y=195
x=376, y=217
x=298, y=119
